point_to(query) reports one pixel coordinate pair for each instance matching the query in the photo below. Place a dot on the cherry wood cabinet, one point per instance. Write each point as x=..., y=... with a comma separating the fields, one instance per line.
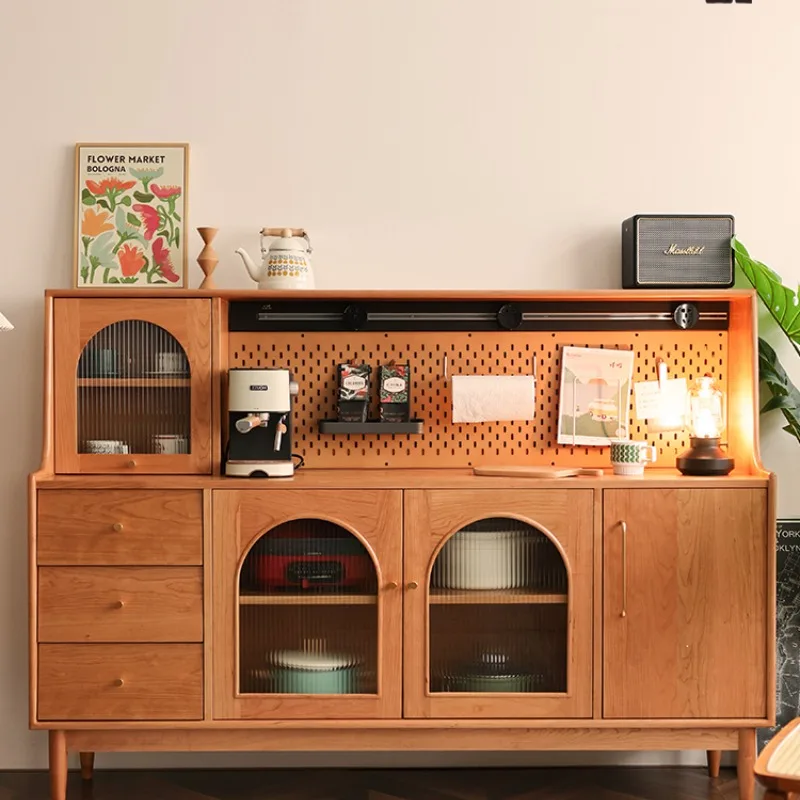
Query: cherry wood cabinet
x=686, y=603
x=171, y=608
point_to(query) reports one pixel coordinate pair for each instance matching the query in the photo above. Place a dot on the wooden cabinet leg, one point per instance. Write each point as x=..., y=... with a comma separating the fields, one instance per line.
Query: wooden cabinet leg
x=714, y=758
x=745, y=762
x=58, y=765
x=87, y=766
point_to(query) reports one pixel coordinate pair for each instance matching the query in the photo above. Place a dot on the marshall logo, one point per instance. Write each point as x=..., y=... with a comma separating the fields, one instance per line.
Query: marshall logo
x=258, y=387
x=691, y=250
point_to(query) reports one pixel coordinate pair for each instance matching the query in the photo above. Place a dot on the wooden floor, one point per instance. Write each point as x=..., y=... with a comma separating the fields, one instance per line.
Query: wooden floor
x=631, y=783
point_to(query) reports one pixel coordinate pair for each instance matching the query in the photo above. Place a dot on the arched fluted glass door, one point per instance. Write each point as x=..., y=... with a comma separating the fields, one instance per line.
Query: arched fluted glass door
x=134, y=395
x=498, y=611
x=308, y=612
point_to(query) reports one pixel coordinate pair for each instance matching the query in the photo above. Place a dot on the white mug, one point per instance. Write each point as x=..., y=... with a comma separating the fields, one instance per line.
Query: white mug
x=629, y=458
x=170, y=444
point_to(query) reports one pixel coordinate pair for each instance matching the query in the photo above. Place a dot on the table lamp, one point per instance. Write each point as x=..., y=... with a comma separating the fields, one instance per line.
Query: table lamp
x=5, y=325
x=705, y=414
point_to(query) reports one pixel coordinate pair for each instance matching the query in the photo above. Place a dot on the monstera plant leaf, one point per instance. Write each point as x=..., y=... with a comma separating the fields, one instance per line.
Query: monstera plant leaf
x=784, y=306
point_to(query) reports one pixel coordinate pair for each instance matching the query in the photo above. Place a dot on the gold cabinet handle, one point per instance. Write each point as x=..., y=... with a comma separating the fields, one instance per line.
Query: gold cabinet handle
x=624, y=526
x=117, y=527
x=119, y=683
x=412, y=585
x=130, y=464
x=391, y=585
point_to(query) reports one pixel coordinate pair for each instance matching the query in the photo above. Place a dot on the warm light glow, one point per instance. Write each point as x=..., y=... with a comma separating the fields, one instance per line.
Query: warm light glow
x=706, y=409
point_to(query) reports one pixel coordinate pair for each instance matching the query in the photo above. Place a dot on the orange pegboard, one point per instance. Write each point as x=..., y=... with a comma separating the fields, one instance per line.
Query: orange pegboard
x=313, y=357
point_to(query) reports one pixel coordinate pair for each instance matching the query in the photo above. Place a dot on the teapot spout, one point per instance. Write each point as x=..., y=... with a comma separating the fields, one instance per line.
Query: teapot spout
x=254, y=271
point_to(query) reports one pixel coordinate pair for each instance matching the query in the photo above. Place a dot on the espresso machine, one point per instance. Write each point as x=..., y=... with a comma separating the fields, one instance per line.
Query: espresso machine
x=260, y=423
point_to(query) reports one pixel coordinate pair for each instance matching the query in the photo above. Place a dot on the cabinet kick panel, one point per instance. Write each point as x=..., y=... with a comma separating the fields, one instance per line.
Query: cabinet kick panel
x=313, y=357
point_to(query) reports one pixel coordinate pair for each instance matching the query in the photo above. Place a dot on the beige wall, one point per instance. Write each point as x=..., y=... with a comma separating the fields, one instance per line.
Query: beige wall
x=424, y=143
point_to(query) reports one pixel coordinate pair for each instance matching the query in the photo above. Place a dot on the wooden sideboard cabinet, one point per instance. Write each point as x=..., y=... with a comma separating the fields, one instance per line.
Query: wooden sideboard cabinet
x=386, y=597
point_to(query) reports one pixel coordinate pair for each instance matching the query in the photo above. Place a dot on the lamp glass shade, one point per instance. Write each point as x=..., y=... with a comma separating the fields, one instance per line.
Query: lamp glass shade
x=5, y=325
x=706, y=409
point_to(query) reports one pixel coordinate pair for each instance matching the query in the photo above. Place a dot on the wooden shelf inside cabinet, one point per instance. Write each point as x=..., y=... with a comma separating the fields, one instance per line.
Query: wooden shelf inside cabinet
x=371, y=426
x=464, y=597
x=308, y=600
x=126, y=383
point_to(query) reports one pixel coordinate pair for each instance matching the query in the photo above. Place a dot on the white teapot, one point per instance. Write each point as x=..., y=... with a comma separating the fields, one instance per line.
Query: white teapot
x=287, y=263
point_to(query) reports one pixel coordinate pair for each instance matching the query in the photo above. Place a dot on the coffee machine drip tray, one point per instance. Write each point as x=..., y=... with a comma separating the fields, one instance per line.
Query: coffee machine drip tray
x=255, y=469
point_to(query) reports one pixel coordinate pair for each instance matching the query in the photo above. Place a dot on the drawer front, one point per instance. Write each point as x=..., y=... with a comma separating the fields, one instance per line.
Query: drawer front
x=120, y=682
x=118, y=526
x=120, y=604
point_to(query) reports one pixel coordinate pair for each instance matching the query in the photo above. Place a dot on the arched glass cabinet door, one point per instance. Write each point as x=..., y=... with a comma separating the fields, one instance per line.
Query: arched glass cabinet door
x=308, y=608
x=498, y=609
x=134, y=378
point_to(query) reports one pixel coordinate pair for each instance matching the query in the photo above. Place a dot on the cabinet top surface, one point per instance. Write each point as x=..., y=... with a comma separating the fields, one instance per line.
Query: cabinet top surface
x=400, y=294
x=400, y=479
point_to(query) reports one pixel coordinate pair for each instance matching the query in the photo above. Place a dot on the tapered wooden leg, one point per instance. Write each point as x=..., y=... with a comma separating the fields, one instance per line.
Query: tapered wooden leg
x=714, y=758
x=745, y=762
x=58, y=765
x=87, y=766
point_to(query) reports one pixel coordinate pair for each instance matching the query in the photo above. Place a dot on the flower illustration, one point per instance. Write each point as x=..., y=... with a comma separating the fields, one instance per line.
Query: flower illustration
x=94, y=223
x=131, y=260
x=163, y=260
x=150, y=217
x=146, y=175
x=108, y=190
x=165, y=192
x=109, y=184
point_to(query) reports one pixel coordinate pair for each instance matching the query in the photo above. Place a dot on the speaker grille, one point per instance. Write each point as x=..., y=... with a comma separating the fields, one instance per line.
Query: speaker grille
x=656, y=235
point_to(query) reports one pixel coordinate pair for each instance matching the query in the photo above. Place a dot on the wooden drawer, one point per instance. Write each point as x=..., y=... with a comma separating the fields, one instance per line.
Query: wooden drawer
x=120, y=681
x=120, y=604
x=119, y=526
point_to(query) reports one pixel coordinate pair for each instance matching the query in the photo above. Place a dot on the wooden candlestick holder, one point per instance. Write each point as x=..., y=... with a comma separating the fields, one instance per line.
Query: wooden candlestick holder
x=208, y=258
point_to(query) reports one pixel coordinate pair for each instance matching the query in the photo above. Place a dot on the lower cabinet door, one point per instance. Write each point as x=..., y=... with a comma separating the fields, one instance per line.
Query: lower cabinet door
x=307, y=604
x=498, y=603
x=120, y=682
x=685, y=603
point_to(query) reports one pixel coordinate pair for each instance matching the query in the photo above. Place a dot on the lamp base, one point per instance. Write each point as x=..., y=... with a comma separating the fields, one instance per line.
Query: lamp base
x=704, y=457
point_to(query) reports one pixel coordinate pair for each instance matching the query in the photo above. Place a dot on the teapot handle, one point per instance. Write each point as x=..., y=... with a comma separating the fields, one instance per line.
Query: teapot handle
x=284, y=232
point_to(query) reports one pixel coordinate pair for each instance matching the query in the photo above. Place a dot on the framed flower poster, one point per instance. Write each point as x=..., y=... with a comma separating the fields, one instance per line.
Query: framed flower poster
x=130, y=215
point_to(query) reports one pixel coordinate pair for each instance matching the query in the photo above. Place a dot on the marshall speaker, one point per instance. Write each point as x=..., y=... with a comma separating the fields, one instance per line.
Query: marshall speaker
x=685, y=250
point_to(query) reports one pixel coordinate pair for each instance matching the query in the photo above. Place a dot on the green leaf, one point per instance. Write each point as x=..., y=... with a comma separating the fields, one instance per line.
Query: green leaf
x=134, y=220
x=177, y=216
x=87, y=198
x=143, y=197
x=113, y=279
x=177, y=237
x=163, y=233
x=104, y=203
x=785, y=395
x=125, y=201
x=782, y=302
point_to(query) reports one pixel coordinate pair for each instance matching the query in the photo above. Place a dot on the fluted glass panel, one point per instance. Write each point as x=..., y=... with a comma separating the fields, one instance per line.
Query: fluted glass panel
x=308, y=612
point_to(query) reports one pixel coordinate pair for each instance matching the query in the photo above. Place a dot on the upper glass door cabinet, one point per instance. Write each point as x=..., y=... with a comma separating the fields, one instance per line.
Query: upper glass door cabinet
x=134, y=382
